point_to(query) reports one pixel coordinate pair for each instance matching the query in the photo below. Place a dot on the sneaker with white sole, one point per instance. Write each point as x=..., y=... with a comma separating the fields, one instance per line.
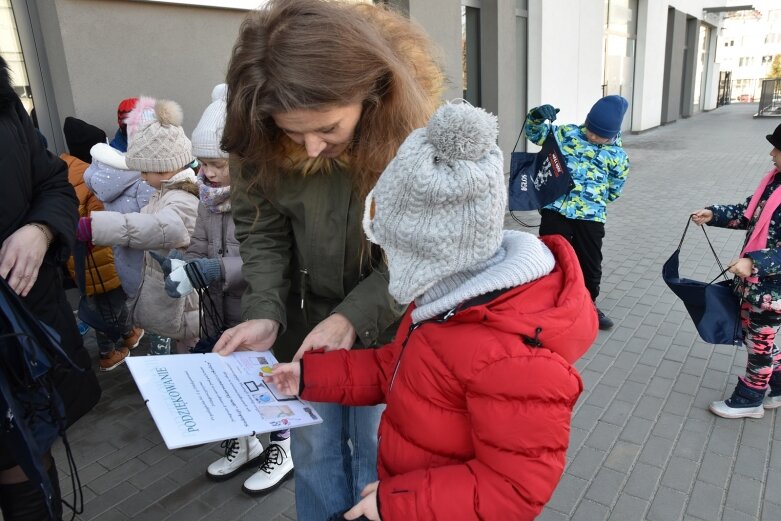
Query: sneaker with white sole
x=114, y=359
x=132, y=340
x=773, y=398
x=240, y=453
x=275, y=469
x=745, y=402
x=771, y=402
x=724, y=410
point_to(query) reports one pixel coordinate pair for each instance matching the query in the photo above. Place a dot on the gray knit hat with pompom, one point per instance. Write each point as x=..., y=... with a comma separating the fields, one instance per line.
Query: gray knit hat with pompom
x=157, y=140
x=439, y=206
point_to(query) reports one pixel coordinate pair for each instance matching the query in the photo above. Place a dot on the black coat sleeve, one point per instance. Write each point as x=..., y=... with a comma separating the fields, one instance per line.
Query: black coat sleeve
x=54, y=201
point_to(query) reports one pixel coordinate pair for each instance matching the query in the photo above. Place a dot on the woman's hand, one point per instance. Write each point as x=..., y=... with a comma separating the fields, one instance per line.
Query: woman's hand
x=252, y=335
x=701, y=217
x=287, y=377
x=366, y=506
x=335, y=332
x=21, y=256
x=742, y=267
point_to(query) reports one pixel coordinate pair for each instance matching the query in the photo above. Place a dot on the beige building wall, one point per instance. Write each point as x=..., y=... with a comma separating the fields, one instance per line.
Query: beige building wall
x=102, y=51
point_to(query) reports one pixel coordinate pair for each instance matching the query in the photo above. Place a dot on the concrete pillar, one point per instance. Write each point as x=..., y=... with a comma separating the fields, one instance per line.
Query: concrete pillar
x=442, y=21
x=689, y=66
x=673, y=65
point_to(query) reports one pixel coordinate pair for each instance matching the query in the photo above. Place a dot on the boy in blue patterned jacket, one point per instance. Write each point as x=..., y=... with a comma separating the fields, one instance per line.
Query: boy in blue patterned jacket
x=599, y=166
x=758, y=284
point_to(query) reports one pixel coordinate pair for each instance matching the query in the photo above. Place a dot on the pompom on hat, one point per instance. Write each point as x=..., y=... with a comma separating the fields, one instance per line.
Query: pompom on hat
x=157, y=142
x=207, y=135
x=438, y=208
x=605, y=117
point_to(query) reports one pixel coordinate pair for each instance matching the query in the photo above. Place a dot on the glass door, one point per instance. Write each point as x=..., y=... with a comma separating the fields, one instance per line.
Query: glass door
x=620, y=39
x=11, y=51
x=702, y=66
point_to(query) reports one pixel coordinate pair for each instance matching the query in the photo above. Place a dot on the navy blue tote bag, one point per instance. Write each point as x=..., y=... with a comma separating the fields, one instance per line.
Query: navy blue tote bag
x=32, y=409
x=538, y=179
x=712, y=306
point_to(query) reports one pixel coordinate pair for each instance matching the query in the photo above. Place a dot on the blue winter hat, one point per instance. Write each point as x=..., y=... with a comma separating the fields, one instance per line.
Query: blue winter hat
x=606, y=115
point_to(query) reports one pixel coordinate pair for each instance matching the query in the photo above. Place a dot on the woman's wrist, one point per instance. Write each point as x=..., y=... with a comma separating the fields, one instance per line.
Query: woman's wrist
x=45, y=230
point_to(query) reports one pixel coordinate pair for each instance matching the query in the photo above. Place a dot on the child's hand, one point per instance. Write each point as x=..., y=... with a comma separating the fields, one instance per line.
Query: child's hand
x=545, y=112
x=367, y=506
x=165, y=262
x=203, y=272
x=177, y=282
x=287, y=377
x=742, y=267
x=701, y=217
x=84, y=231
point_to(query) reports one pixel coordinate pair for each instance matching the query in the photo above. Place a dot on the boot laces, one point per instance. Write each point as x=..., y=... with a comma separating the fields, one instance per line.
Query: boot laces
x=231, y=448
x=275, y=455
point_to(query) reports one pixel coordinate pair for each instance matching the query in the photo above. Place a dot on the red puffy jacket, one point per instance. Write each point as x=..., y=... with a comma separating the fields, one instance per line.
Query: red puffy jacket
x=479, y=403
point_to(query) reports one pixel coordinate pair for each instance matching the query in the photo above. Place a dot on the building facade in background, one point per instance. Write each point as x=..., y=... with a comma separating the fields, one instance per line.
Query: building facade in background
x=81, y=57
x=749, y=41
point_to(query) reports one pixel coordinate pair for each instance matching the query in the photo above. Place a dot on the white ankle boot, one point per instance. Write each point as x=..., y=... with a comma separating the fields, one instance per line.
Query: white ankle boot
x=240, y=453
x=274, y=469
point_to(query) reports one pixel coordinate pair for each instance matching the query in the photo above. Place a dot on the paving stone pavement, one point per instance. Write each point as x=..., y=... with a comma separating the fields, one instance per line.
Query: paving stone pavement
x=643, y=445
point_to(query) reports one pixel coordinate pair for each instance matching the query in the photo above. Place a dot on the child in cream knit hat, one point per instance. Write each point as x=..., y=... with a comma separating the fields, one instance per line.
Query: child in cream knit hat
x=213, y=263
x=160, y=150
x=479, y=382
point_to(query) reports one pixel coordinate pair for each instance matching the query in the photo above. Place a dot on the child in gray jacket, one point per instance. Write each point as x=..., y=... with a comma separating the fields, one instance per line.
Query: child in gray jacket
x=214, y=265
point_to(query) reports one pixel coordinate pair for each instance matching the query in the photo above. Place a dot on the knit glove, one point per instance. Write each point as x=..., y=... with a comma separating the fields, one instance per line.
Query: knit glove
x=196, y=274
x=202, y=272
x=545, y=112
x=165, y=262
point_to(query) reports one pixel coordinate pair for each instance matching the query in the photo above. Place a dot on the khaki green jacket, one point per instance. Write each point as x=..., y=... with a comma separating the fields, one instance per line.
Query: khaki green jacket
x=301, y=250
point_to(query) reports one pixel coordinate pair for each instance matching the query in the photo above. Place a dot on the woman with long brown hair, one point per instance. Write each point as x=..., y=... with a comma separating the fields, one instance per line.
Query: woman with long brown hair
x=320, y=96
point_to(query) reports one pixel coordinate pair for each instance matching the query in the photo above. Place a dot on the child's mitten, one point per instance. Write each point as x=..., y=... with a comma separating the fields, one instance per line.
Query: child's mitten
x=84, y=231
x=165, y=262
x=177, y=283
x=545, y=112
x=203, y=272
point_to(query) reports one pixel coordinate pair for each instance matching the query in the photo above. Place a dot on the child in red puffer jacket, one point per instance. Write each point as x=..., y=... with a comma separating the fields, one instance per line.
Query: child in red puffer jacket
x=479, y=382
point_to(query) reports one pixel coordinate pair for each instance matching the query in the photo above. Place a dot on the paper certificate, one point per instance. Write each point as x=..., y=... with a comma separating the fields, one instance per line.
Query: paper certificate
x=200, y=398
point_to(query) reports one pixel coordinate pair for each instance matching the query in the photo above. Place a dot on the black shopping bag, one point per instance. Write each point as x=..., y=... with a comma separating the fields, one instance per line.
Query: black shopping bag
x=538, y=179
x=713, y=306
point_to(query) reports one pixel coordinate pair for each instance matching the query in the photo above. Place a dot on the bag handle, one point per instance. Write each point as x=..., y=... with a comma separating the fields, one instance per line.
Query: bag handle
x=712, y=249
x=523, y=127
x=207, y=308
x=80, y=254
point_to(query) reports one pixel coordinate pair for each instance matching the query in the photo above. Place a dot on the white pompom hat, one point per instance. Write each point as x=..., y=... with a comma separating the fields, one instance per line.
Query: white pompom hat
x=208, y=133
